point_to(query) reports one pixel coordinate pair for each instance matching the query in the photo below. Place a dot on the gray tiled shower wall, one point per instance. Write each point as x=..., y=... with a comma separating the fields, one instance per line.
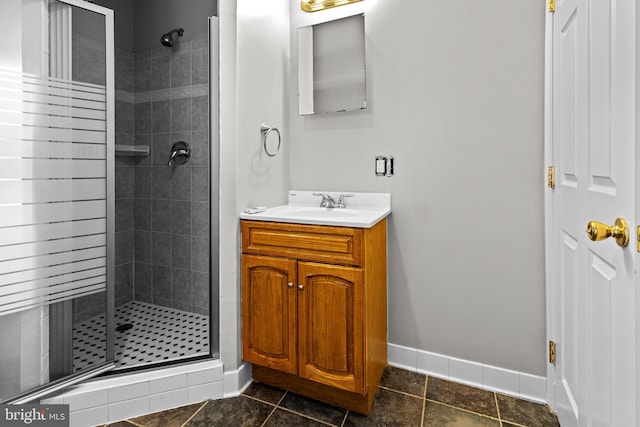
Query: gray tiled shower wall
x=162, y=212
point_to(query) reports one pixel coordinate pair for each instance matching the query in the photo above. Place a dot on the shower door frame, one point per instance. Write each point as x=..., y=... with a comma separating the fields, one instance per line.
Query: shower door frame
x=109, y=363
x=213, y=132
x=214, y=186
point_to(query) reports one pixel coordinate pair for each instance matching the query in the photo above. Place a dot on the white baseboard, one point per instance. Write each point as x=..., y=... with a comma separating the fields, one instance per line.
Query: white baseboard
x=115, y=398
x=513, y=383
x=235, y=382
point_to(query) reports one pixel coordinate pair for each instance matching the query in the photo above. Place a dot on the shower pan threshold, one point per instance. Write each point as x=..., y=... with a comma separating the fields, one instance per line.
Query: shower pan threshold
x=157, y=334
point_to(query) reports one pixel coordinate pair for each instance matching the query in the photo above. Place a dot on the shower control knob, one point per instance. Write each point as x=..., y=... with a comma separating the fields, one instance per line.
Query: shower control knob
x=180, y=153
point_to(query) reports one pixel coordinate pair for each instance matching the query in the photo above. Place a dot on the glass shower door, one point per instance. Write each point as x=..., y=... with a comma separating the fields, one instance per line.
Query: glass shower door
x=56, y=195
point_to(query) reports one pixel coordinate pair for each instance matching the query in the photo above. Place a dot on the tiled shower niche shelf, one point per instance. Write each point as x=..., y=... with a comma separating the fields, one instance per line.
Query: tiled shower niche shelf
x=132, y=150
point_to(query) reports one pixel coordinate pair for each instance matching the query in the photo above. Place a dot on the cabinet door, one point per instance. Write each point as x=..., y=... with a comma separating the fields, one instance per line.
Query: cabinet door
x=330, y=325
x=269, y=312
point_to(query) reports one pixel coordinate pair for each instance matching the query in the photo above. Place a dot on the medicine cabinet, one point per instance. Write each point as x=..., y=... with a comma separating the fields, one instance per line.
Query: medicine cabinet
x=331, y=66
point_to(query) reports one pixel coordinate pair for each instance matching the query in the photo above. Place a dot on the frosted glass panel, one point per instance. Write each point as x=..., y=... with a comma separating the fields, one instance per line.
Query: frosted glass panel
x=55, y=135
x=56, y=188
x=50, y=191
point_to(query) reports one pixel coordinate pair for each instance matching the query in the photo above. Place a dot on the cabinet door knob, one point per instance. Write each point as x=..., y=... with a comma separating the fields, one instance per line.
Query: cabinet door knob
x=290, y=284
x=301, y=286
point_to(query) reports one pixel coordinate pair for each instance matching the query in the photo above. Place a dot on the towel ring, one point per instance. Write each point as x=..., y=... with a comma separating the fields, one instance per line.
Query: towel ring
x=265, y=130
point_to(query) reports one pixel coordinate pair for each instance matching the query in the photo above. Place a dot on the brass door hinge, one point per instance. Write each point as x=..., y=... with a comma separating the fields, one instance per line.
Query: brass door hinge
x=551, y=177
x=552, y=352
x=551, y=5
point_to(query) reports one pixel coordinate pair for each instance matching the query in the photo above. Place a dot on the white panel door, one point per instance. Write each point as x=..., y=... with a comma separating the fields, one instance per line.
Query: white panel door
x=592, y=132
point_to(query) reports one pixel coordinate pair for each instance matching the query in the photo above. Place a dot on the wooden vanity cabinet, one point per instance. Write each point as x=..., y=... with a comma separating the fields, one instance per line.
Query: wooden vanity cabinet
x=314, y=304
x=269, y=312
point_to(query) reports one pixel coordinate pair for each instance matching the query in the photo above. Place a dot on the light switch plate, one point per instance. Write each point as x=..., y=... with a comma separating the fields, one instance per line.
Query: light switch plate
x=384, y=166
x=389, y=166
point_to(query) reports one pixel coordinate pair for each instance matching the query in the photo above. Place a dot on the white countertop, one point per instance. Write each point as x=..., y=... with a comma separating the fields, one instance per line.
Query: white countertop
x=362, y=210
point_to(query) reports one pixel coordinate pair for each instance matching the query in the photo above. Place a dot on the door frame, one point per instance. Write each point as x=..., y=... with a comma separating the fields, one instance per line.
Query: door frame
x=548, y=199
x=635, y=234
x=110, y=83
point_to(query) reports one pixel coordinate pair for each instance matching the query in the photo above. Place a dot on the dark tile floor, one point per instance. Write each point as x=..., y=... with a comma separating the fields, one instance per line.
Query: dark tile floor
x=403, y=399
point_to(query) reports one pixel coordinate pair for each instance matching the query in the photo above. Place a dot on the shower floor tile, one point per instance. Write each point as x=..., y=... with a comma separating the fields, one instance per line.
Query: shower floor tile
x=157, y=334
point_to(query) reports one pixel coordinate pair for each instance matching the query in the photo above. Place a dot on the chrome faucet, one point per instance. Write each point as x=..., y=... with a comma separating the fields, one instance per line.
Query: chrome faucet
x=341, y=200
x=329, y=202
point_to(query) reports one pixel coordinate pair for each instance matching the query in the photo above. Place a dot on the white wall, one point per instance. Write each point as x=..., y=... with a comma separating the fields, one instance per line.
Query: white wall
x=254, y=76
x=262, y=97
x=455, y=94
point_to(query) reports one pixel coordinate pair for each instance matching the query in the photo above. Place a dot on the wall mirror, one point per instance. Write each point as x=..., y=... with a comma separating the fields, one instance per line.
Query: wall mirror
x=331, y=66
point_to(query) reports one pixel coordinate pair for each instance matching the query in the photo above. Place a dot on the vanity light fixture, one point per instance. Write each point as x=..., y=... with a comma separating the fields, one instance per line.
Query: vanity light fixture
x=318, y=5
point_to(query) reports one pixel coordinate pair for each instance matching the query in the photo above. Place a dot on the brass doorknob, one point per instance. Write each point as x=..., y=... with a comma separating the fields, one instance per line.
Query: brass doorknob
x=599, y=231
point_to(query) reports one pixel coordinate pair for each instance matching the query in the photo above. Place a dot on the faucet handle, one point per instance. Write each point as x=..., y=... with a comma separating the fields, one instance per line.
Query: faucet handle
x=180, y=153
x=341, y=200
x=327, y=201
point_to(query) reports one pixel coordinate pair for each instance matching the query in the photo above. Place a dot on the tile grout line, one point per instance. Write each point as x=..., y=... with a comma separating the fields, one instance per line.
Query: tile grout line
x=424, y=401
x=344, y=420
x=275, y=407
x=194, y=414
x=399, y=392
x=268, y=416
x=495, y=398
x=259, y=400
x=282, y=398
x=463, y=409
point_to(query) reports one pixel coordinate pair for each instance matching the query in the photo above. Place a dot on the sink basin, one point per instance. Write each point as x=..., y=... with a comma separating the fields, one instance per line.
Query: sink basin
x=312, y=212
x=363, y=210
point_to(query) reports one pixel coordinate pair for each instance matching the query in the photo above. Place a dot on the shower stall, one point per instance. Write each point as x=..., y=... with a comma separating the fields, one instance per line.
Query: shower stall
x=108, y=189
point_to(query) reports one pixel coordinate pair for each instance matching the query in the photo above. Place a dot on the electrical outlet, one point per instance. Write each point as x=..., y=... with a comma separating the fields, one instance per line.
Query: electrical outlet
x=384, y=165
x=381, y=166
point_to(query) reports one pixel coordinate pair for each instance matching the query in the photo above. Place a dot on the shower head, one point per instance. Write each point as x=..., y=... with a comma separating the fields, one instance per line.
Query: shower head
x=167, y=39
